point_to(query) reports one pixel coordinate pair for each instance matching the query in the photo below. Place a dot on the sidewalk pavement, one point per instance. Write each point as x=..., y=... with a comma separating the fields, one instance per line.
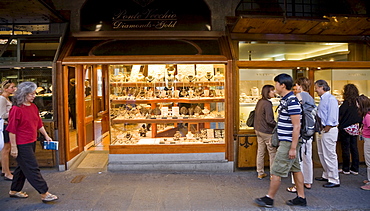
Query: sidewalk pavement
x=92, y=190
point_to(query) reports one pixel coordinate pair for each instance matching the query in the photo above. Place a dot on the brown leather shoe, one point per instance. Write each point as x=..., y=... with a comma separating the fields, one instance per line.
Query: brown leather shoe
x=261, y=176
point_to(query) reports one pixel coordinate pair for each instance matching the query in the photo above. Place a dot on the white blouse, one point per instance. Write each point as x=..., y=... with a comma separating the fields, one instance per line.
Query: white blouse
x=5, y=106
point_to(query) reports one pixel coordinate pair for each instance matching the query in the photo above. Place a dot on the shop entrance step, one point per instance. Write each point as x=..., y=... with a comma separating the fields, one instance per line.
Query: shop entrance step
x=190, y=162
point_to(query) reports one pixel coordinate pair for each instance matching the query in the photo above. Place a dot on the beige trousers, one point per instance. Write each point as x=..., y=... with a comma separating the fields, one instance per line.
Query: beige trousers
x=263, y=142
x=306, y=162
x=327, y=150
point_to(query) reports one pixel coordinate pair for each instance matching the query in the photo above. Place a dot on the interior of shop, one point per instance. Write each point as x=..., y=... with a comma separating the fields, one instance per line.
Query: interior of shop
x=251, y=80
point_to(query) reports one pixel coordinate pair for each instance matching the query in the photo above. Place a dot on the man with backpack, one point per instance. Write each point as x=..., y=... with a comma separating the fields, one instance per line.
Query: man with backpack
x=287, y=156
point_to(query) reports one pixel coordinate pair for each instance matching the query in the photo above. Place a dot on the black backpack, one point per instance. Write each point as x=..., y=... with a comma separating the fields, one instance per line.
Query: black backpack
x=308, y=119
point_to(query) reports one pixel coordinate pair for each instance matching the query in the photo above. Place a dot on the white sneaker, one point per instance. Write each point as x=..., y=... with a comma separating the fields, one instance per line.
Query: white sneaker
x=353, y=172
x=340, y=170
x=346, y=172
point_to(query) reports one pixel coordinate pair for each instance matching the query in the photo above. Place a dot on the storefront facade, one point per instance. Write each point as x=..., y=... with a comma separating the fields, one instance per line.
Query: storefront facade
x=153, y=85
x=163, y=86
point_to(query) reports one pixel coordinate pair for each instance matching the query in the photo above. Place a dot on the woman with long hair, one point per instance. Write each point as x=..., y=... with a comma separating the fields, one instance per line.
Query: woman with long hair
x=348, y=116
x=7, y=88
x=363, y=104
x=24, y=122
x=264, y=123
x=303, y=85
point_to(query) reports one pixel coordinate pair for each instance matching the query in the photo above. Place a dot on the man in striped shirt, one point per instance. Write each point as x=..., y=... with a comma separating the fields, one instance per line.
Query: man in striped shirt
x=286, y=159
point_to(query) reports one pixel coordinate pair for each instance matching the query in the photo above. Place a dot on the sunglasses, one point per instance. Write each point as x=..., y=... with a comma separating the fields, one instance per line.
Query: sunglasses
x=7, y=82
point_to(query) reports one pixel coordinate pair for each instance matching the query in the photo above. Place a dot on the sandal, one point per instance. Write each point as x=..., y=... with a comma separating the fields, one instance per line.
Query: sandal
x=292, y=189
x=8, y=179
x=308, y=186
x=19, y=194
x=49, y=197
x=3, y=174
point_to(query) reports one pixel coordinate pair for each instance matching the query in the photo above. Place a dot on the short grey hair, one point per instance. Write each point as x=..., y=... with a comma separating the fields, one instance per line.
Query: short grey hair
x=23, y=90
x=322, y=83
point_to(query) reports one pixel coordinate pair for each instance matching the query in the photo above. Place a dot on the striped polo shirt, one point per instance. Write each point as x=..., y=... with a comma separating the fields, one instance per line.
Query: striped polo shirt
x=285, y=126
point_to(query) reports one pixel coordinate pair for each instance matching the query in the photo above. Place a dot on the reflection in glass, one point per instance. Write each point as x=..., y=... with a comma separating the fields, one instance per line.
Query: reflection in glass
x=88, y=101
x=73, y=143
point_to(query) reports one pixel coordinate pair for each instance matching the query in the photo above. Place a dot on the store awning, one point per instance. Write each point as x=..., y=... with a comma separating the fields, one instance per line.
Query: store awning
x=334, y=25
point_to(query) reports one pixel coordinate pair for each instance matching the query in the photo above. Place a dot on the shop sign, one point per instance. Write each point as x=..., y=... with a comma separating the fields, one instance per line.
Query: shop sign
x=113, y=15
x=149, y=18
x=261, y=74
x=353, y=74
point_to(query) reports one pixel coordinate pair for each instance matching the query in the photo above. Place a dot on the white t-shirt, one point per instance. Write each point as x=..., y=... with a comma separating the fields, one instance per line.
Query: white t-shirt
x=5, y=106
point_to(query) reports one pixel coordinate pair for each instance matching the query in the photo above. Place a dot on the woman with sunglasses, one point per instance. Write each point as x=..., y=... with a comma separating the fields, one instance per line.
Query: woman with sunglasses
x=7, y=88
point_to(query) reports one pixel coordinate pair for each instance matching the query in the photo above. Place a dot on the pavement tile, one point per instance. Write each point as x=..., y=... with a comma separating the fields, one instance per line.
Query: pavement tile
x=133, y=191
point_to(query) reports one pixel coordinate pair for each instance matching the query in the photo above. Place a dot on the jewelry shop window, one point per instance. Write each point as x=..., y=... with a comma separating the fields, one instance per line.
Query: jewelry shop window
x=164, y=104
x=251, y=82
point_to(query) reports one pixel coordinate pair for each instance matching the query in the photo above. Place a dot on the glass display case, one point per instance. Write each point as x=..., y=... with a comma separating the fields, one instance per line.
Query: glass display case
x=251, y=82
x=163, y=104
x=39, y=75
x=337, y=78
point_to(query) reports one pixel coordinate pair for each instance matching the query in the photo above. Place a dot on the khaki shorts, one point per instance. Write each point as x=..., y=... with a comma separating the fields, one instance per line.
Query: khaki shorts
x=282, y=164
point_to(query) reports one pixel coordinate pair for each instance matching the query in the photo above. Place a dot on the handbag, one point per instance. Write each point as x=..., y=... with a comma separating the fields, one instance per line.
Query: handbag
x=250, y=120
x=353, y=130
x=275, y=137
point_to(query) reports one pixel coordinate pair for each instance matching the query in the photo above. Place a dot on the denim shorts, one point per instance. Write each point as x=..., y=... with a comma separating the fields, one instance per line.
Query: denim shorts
x=282, y=164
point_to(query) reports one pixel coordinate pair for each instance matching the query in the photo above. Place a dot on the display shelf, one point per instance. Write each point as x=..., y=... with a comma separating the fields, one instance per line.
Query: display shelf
x=170, y=100
x=166, y=148
x=254, y=104
x=191, y=120
x=163, y=84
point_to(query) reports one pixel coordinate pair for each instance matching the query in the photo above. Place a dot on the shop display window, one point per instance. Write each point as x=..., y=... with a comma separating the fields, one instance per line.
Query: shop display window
x=167, y=104
x=337, y=78
x=42, y=77
x=251, y=82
